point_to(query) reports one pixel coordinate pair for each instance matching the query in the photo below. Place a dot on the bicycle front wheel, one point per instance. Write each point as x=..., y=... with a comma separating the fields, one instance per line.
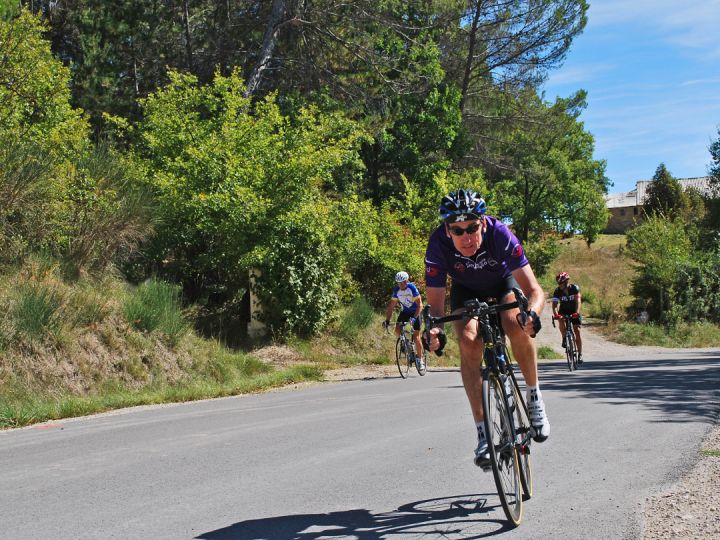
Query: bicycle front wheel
x=571, y=339
x=522, y=440
x=570, y=351
x=401, y=358
x=503, y=454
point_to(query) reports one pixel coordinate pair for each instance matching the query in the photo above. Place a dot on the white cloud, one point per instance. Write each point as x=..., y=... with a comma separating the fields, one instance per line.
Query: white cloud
x=691, y=24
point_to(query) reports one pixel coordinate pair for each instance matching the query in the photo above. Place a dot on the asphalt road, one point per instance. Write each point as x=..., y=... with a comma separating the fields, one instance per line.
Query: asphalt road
x=385, y=458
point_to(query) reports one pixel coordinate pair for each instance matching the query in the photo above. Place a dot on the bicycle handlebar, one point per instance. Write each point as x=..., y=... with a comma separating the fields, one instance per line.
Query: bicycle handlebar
x=475, y=308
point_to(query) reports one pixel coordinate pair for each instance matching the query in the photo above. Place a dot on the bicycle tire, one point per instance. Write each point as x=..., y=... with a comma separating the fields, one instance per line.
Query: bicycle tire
x=570, y=350
x=522, y=440
x=401, y=358
x=574, y=351
x=503, y=454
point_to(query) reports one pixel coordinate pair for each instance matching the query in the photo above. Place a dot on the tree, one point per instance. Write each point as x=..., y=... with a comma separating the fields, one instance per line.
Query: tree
x=551, y=179
x=661, y=247
x=714, y=169
x=227, y=171
x=664, y=195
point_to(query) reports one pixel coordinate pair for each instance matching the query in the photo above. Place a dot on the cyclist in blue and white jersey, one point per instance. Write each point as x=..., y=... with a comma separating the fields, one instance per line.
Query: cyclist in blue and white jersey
x=485, y=260
x=407, y=295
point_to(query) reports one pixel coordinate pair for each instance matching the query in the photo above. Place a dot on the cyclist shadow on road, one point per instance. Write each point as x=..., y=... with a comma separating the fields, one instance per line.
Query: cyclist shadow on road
x=462, y=516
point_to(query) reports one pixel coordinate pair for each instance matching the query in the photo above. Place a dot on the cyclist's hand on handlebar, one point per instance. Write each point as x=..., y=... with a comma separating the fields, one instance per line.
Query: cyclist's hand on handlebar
x=437, y=340
x=530, y=322
x=557, y=316
x=575, y=315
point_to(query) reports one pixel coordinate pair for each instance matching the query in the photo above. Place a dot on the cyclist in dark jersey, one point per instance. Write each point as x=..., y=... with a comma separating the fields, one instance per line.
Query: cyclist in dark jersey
x=484, y=259
x=567, y=301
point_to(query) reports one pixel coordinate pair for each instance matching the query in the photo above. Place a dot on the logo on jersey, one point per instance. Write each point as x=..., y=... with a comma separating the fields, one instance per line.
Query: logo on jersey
x=432, y=271
x=460, y=267
x=517, y=251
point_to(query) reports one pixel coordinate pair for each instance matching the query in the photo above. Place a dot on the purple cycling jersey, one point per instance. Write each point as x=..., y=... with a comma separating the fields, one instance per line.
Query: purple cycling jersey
x=499, y=254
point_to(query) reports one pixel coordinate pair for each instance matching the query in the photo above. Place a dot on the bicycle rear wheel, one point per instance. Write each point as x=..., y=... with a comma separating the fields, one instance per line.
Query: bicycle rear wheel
x=401, y=358
x=522, y=440
x=503, y=455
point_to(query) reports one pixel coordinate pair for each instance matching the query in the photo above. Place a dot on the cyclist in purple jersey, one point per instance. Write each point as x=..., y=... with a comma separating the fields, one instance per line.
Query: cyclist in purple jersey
x=485, y=260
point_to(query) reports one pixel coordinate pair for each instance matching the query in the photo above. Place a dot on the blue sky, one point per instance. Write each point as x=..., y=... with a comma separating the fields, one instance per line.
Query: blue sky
x=652, y=72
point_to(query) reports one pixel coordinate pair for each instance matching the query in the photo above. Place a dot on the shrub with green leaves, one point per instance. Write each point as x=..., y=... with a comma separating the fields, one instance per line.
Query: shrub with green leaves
x=661, y=247
x=300, y=275
x=697, y=290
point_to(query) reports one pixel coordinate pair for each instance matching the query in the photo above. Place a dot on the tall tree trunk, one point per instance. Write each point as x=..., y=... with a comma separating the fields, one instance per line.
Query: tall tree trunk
x=188, y=45
x=470, y=55
x=268, y=46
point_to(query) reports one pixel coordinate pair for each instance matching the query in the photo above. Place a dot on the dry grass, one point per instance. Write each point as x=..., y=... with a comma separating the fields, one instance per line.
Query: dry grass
x=604, y=273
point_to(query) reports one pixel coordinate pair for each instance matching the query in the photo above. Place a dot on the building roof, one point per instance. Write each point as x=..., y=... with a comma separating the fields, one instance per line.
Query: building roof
x=636, y=197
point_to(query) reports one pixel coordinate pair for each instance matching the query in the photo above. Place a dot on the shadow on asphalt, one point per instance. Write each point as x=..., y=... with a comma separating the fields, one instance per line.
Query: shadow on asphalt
x=448, y=517
x=680, y=389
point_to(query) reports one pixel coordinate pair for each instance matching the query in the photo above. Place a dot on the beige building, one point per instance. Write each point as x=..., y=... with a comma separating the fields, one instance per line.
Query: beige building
x=626, y=207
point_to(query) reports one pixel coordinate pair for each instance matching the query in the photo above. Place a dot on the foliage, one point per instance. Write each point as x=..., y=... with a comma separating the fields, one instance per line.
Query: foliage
x=664, y=195
x=714, y=168
x=697, y=290
x=299, y=276
x=227, y=171
x=541, y=252
x=355, y=318
x=156, y=305
x=34, y=90
x=661, y=248
x=107, y=211
x=553, y=180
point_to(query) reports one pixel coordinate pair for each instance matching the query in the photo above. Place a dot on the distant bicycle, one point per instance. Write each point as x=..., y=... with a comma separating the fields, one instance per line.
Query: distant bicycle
x=506, y=414
x=571, y=350
x=405, y=354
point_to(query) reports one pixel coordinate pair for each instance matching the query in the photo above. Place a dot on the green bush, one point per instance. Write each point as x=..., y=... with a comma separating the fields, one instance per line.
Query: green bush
x=697, y=290
x=156, y=305
x=661, y=248
x=300, y=276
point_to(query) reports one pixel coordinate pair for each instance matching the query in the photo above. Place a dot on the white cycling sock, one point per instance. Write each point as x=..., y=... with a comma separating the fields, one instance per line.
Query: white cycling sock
x=533, y=392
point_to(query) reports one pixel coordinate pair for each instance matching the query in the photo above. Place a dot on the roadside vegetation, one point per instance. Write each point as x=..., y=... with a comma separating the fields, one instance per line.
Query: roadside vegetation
x=147, y=191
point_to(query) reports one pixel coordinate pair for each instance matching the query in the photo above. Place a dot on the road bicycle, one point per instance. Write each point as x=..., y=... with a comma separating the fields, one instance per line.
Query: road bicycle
x=507, y=422
x=571, y=350
x=405, y=354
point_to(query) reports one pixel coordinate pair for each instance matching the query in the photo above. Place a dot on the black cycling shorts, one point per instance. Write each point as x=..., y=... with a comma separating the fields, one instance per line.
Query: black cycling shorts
x=406, y=315
x=460, y=293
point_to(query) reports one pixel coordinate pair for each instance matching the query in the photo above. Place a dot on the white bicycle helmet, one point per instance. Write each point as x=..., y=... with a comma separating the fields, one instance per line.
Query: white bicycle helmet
x=402, y=276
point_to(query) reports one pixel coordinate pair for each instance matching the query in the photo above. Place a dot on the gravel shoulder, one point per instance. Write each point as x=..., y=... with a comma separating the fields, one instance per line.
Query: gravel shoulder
x=688, y=507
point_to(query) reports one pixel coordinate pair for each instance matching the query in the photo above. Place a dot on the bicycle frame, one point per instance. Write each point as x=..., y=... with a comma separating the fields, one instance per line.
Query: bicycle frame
x=495, y=357
x=569, y=339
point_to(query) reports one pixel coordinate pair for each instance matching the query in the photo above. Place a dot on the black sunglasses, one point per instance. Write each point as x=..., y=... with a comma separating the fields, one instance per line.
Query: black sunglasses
x=458, y=231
